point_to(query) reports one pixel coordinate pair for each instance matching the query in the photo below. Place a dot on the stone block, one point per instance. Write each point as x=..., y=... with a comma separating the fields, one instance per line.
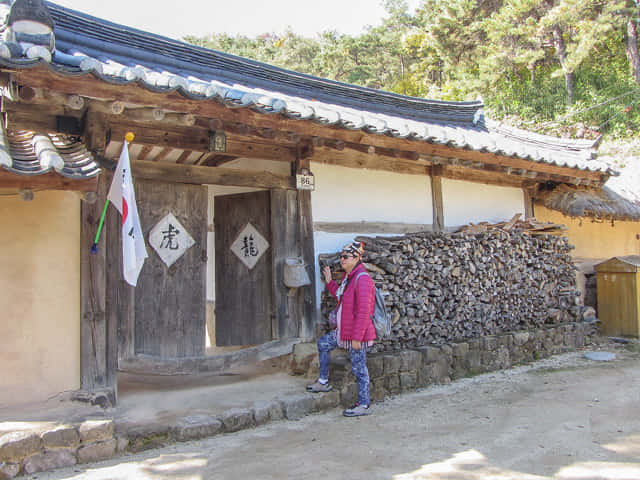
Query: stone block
x=325, y=401
x=95, y=430
x=193, y=427
x=440, y=371
x=410, y=361
x=14, y=446
x=264, y=412
x=392, y=383
x=517, y=354
x=96, y=452
x=474, y=361
x=460, y=350
x=296, y=406
x=349, y=395
x=520, y=338
x=424, y=376
x=375, y=364
x=122, y=443
x=237, y=419
x=303, y=357
x=474, y=344
x=378, y=392
x=392, y=364
x=49, y=460
x=430, y=354
x=9, y=470
x=505, y=341
x=489, y=343
x=63, y=436
x=446, y=350
x=408, y=381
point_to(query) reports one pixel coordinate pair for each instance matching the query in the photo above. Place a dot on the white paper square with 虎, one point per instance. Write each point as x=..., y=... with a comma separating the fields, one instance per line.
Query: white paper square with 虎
x=249, y=246
x=170, y=239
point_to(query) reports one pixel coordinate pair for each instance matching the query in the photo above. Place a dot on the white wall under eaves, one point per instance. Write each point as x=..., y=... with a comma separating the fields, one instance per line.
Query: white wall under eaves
x=358, y=195
x=465, y=202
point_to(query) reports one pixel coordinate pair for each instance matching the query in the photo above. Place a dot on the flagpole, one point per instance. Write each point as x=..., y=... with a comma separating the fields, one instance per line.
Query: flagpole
x=94, y=248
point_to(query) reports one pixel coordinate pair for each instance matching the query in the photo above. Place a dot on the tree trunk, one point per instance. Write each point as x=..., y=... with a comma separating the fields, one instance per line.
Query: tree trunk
x=561, y=52
x=632, y=47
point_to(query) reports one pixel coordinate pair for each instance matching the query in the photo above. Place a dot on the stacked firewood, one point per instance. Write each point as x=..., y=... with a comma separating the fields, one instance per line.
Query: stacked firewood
x=444, y=287
x=529, y=225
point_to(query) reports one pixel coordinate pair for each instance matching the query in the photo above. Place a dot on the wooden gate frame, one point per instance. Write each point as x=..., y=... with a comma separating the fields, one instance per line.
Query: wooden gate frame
x=295, y=311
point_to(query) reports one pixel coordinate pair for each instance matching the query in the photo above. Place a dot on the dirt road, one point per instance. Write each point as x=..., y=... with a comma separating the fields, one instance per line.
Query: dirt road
x=561, y=418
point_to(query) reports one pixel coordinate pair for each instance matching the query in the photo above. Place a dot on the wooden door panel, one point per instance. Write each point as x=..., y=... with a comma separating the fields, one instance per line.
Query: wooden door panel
x=243, y=295
x=170, y=303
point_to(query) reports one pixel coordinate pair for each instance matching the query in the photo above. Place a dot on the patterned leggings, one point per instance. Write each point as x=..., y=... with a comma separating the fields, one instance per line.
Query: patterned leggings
x=329, y=342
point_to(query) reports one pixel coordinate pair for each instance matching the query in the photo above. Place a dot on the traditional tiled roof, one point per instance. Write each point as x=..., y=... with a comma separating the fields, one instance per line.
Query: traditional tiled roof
x=85, y=45
x=28, y=153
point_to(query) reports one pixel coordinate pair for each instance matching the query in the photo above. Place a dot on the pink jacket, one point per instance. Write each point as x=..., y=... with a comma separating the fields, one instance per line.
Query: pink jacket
x=358, y=302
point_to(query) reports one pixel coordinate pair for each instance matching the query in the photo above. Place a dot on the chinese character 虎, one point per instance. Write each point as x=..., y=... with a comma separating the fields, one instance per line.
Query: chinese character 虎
x=169, y=240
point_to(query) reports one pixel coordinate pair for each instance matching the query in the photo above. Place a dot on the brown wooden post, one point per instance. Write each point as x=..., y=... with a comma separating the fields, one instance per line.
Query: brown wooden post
x=94, y=331
x=284, y=233
x=436, y=198
x=305, y=228
x=98, y=333
x=528, y=203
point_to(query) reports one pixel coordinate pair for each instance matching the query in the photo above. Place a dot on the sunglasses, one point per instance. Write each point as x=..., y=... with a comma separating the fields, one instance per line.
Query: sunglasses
x=344, y=256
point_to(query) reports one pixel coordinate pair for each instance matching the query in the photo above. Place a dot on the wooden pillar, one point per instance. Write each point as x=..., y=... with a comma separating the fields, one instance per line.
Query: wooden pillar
x=528, y=203
x=305, y=238
x=305, y=223
x=98, y=338
x=436, y=198
x=284, y=233
x=98, y=330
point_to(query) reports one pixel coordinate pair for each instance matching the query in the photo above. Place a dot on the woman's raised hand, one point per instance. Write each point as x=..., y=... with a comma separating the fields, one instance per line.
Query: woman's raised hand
x=326, y=271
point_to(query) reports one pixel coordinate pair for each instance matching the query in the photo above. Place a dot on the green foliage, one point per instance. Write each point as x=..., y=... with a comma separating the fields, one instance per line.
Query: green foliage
x=558, y=65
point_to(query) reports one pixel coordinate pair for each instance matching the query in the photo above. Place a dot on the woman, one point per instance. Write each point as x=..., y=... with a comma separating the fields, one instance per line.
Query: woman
x=352, y=326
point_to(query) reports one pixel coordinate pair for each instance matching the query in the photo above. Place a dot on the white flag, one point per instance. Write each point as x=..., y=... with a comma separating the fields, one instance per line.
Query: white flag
x=123, y=197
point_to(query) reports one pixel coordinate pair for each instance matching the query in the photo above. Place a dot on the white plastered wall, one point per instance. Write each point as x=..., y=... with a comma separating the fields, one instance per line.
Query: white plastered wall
x=465, y=202
x=348, y=195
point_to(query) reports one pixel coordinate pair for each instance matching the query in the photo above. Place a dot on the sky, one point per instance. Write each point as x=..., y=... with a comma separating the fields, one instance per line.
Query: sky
x=246, y=17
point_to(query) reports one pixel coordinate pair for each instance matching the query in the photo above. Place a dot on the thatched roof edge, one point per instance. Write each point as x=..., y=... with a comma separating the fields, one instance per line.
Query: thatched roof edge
x=589, y=202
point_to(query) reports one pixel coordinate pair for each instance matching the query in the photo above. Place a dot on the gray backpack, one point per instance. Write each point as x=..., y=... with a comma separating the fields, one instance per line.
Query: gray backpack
x=380, y=318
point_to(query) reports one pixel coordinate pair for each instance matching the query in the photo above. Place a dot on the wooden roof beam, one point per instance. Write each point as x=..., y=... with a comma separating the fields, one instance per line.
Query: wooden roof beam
x=199, y=175
x=197, y=140
x=46, y=181
x=41, y=77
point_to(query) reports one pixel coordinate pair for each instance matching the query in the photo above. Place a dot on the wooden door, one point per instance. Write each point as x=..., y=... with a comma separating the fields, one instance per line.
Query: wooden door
x=243, y=295
x=170, y=302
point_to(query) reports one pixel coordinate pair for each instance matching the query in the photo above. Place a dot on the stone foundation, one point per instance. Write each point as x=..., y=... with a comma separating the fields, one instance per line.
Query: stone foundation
x=29, y=452
x=397, y=372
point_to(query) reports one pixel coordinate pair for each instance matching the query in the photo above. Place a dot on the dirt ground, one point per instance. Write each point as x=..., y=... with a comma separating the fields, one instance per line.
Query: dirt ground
x=566, y=418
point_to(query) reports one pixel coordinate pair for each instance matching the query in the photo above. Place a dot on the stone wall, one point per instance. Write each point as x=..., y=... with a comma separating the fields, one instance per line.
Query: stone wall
x=397, y=372
x=29, y=452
